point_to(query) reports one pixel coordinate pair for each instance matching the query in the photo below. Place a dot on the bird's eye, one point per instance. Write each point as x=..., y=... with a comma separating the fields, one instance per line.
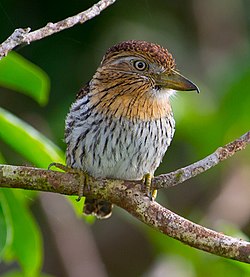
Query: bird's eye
x=140, y=65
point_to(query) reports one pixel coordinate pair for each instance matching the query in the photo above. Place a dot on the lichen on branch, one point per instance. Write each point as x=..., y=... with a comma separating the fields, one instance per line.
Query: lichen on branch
x=129, y=196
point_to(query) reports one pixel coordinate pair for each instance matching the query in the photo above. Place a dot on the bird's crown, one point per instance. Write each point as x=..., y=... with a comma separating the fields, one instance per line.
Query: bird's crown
x=147, y=49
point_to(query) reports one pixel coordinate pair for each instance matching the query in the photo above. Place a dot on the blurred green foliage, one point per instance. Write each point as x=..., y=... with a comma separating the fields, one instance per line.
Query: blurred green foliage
x=16, y=220
x=32, y=145
x=21, y=75
x=21, y=223
x=211, y=47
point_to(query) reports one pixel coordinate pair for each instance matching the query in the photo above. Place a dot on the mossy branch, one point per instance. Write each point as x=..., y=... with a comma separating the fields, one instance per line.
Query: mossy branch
x=129, y=196
x=222, y=153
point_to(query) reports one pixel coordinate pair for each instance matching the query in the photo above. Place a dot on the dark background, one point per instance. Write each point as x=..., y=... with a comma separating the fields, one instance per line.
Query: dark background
x=210, y=42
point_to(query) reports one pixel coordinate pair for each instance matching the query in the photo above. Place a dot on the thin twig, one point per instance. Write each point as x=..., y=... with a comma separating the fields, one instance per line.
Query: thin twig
x=222, y=153
x=24, y=36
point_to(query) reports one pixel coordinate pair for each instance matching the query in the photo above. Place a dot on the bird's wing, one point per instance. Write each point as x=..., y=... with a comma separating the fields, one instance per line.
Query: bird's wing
x=83, y=91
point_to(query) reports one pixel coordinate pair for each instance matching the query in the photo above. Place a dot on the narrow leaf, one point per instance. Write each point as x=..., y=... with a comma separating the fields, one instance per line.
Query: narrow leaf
x=19, y=74
x=26, y=246
x=6, y=229
x=28, y=141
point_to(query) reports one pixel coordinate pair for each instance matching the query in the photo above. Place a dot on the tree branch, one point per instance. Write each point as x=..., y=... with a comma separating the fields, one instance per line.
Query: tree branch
x=129, y=196
x=24, y=36
x=181, y=175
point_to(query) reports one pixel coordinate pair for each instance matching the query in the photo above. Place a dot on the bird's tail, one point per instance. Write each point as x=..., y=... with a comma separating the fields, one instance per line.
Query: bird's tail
x=97, y=207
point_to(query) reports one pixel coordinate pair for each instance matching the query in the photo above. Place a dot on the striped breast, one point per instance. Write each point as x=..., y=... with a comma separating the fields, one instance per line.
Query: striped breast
x=115, y=147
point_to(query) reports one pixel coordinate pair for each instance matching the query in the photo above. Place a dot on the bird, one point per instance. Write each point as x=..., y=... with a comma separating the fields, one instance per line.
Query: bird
x=121, y=123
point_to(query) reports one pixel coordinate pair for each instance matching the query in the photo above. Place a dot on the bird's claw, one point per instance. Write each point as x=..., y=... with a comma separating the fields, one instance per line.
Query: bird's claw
x=84, y=184
x=84, y=177
x=149, y=191
x=60, y=166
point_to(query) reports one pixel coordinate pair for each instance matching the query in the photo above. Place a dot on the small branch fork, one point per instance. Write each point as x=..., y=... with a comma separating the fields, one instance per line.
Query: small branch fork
x=129, y=196
x=24, y=36
x=222, y=153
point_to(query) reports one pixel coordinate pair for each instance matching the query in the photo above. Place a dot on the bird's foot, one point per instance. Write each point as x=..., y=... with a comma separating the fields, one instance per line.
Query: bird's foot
x=60, y=166
x=84, y=177
x=147, y=182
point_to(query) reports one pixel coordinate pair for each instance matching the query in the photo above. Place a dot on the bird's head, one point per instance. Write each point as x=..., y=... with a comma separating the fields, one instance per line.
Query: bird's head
x=135, y=80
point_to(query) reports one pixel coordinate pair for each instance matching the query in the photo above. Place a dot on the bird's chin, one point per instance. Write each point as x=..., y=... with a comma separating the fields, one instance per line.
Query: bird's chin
x=170, y=92
x=165, y=93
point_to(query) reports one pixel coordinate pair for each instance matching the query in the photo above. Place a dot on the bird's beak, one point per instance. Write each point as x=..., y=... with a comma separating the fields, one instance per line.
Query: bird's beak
x=176, y=81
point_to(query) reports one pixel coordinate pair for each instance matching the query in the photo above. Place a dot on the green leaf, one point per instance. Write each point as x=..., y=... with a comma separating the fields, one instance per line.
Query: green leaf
x=6, y=229
x=19, y=74
x=28, y=141
x=2, y=160
x=26, y=246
